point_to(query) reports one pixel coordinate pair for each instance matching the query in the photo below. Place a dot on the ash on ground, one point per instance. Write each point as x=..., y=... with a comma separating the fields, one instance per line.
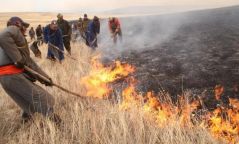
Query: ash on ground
x=201, y=53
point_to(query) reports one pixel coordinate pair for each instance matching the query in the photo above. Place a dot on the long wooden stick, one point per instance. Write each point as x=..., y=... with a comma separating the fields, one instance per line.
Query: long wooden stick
x=58, y=49
x=48, y=80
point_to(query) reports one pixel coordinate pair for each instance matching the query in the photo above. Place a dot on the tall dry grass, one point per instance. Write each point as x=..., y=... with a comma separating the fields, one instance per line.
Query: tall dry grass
x=87, y=121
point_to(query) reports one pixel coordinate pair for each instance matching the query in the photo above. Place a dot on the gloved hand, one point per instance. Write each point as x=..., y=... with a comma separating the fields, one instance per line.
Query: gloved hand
x=50, y=83
x=47, y=83
x=19, y=64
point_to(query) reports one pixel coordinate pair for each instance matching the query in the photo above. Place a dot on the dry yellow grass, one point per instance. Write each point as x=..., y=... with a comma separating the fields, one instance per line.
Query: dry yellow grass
x=87, y=121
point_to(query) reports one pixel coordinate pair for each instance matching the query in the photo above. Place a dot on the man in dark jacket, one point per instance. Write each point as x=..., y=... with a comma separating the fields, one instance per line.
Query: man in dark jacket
x=39, y=33
x=15, y=80
x=80, y=26
x=84, y=27
x=32, y=33
x=53, y=37
x=92, y=31
x=66, y=31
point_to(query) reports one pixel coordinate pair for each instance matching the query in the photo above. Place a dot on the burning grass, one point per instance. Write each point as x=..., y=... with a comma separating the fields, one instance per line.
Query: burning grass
x=222, y=123
x=136, y=118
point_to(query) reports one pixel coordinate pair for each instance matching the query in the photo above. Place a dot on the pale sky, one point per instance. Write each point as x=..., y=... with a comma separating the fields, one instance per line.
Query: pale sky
x=102, y=5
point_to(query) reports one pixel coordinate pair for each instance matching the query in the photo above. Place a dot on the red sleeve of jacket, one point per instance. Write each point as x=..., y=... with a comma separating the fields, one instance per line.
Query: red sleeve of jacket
x=117, y=22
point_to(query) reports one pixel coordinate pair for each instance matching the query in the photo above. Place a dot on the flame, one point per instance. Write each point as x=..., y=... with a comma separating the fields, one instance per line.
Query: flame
x=97, y=81
x=161, y=112
x=224, y=128
x=131, y=98
x=187, y=110
x=222, y=123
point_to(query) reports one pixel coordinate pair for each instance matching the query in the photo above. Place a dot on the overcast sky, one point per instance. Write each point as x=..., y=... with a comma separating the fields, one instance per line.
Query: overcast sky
x=102, y=5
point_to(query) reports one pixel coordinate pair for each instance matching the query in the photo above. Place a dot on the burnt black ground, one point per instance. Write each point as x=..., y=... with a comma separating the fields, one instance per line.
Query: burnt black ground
x=201, y=52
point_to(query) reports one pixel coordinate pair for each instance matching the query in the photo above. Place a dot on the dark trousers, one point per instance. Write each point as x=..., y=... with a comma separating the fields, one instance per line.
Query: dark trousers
x=67, y=44
x=40, y=40
x=29, y=96
x=53, y=53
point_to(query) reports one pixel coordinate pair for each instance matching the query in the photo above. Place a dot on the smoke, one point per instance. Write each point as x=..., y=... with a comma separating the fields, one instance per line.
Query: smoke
x=139, y=33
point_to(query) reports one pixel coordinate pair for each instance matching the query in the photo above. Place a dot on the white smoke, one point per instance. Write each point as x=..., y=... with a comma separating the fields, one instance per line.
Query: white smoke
x=139, y=33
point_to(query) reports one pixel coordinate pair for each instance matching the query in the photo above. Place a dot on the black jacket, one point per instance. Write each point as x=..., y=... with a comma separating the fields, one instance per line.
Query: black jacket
x=65, y=27
x=39, y=31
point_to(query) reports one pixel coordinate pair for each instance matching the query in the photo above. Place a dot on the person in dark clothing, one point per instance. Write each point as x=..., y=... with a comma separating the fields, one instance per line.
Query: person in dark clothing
x=35, y=49
x=32, y=33
x=39, y=33
x=66, y=31
x=15, y=80
x=53, y=37
x=84, y=28
x=92, y=31
x=115, y=28
x=85, y=23
x=80, y=26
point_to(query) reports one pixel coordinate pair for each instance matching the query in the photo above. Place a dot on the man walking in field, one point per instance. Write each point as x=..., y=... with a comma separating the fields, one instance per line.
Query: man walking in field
x=39, y=33
x=53, y=37
x=85, y=24
x=32, y=34
x=66, y=31
x=115, y=28
x=80, y=28
x=15, y=80
x=92, y=31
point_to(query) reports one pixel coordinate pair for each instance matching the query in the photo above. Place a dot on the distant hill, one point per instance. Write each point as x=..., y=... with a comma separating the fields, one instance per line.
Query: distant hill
x=137, y=10
x=152, y=10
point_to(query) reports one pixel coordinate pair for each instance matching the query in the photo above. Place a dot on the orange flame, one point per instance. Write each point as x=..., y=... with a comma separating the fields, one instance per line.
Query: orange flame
x=222, y=123
x=97, y=81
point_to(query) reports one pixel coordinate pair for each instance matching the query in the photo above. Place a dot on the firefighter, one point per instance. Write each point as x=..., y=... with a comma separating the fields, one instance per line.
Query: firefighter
x=85, y=24
x=66, y=31
x=92, y=31
x=39, y=33
x=80, y=27
x=32, y=34
x=115, y=28
x=15, y=80
x=53, y=37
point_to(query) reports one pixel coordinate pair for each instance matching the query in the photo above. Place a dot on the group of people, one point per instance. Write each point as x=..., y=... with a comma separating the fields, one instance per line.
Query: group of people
x=88, y=31
x=18, y=82
x=38, y=32
x=58, y=34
